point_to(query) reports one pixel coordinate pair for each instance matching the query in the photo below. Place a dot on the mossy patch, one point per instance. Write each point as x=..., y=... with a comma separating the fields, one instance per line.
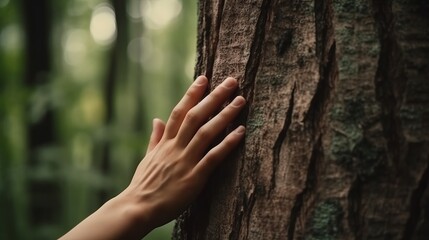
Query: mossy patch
x=256, y=120
x=350, y=146
x=359, y=156
x=350, y=112
x=351, y=6
x=326, y=220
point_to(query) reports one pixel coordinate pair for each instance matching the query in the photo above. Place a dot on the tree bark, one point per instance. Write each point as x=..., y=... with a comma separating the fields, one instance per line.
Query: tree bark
x=337, y=140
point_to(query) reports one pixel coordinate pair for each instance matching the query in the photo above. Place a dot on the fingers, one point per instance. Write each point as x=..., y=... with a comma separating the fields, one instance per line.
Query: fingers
x=199, y=114
x=192, y=96
x=217, y=154
x=158, y=127
x=209, y=131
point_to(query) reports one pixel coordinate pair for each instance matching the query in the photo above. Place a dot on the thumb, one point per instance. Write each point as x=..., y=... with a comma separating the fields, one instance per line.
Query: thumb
x=158, y=127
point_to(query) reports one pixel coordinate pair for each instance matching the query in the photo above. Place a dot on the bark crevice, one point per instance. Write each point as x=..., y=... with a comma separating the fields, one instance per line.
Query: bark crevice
x=354, y=197
x=281, y=138
x=208, y=36
x=390, y=82
x=324, y=87
x=416, y=205
x=252, y=65
x=310, y=183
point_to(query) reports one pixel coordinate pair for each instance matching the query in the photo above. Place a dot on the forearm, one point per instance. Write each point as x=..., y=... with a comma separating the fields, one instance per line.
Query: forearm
x=119, y=218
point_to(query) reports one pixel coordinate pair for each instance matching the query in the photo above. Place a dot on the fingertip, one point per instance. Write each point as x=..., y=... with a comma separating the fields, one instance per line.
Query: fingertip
x=230, y=82
x=238, y=101
x=233, y=78
x=218, y=154
x=157, y=121
x=201, y=80
x=240, y=130
x=158, y=127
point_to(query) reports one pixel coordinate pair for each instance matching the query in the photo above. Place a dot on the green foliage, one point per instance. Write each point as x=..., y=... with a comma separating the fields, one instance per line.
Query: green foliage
x=152, y=70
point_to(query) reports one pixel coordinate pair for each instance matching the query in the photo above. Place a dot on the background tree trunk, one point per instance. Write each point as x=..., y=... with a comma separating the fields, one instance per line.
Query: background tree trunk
x=115, y=71
x=337, y=141
x=44, y=189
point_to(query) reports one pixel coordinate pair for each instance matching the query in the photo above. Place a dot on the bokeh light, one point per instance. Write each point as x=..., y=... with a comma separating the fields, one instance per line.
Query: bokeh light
x=159, y=13
x=75, y=49
x=103, y=24
x=3, y=3
x=11, y=37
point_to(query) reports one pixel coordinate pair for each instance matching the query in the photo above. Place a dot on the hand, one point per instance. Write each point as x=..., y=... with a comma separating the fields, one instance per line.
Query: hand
x=179, y=159
x=178, y=162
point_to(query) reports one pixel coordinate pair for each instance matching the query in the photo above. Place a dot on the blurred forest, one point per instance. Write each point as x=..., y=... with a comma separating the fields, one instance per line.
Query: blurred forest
x=80, y=81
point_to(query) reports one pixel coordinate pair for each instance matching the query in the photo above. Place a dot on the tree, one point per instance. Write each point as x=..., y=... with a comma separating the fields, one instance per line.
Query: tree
x=337, y=140
x=44, y=189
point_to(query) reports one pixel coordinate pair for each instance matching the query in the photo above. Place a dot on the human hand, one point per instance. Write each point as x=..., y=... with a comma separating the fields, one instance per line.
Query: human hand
x=178, y=162
x=179, y=158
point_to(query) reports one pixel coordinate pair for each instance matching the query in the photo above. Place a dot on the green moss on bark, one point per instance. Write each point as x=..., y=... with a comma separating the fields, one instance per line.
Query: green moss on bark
x=347, y=6
x=350, y=147
x=326, y=221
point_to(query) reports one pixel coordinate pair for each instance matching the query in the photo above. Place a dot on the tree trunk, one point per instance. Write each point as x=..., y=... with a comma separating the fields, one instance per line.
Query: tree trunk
x=114, y=72
x=337, y=139
x=44, y=189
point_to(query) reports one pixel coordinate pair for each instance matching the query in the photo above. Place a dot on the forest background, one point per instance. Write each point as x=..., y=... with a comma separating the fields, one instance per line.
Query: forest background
x=80, y=81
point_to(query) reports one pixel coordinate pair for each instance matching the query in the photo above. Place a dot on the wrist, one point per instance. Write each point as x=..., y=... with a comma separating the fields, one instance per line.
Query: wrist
x=135, y=214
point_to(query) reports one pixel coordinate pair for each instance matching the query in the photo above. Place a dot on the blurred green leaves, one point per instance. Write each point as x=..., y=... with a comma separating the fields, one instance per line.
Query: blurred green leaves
x=100, y=135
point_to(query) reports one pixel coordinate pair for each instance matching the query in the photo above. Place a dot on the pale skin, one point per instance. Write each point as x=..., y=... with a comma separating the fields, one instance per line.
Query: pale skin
x=180, y=158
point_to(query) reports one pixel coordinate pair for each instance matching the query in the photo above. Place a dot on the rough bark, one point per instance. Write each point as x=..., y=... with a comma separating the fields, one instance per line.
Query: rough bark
x=337, y=141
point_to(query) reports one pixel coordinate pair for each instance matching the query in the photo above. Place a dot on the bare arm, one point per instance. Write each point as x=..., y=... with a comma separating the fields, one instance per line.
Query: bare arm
x=177, y=164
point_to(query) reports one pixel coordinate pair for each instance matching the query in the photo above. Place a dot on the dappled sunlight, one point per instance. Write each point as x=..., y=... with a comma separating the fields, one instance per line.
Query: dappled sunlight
x=75, y=49
x=103, y=24
x=81, y=150
x=159, y=13
x=134, y=10
x=11, y=37
x=92, y=107
x=100, y=93
x=140, y=50
x=3, y=3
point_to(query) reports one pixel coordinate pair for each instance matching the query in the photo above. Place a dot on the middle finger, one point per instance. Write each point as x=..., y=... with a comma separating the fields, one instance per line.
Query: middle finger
x=199, y=114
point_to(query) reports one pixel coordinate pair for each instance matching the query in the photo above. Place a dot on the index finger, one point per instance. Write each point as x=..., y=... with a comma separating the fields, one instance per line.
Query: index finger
x=199, y=114
x=192, y=96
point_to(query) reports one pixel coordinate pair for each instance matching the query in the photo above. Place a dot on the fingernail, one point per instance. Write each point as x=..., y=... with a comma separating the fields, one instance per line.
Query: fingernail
x=240, y=130
x=238, y=102
x=230, y=82
x=200, y=80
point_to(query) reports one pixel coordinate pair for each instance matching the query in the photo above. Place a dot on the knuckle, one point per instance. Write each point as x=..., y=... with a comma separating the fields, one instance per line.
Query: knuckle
x=228, y=141
x=224, y=114
x=203, y=134
x=192, y=117
x=192, y=92
x=176, y=113
x=216, y=96
x=211, y=156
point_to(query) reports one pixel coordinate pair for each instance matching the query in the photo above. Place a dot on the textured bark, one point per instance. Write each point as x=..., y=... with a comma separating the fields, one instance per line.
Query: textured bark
x=337, y=140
